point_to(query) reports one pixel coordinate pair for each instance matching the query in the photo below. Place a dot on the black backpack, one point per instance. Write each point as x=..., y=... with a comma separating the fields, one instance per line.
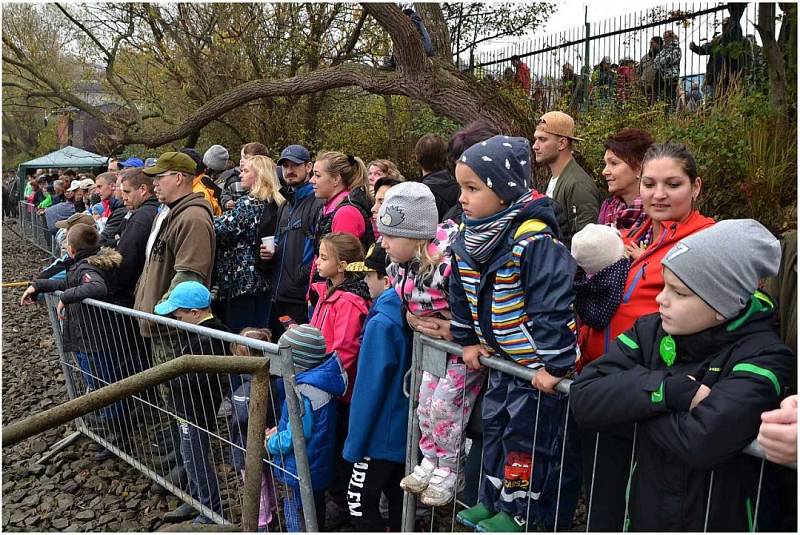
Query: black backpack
x=356, y=198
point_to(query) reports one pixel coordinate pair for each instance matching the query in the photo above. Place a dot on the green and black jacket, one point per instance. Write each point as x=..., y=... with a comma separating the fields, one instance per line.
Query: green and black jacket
x=644, y=379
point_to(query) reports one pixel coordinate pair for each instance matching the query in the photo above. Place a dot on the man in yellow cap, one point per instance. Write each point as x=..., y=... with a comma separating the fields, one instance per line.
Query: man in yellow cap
x=570, y=185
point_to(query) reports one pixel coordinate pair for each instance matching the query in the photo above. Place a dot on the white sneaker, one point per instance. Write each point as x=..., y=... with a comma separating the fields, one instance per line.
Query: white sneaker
x=418, y=479
x=442, y=487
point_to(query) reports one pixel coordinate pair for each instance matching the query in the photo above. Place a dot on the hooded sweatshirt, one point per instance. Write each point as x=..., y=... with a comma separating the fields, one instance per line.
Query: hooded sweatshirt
x=379, y=411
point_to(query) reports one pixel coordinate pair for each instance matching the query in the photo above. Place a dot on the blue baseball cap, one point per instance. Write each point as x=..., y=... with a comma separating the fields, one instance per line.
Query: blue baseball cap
x=132, y=162
x=189, y=294
x=295, y=153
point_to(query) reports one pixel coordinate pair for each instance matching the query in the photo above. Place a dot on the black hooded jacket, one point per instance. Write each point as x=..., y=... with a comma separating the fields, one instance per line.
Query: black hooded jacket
x=88, y=277
x=445, y=190
x=644, y=379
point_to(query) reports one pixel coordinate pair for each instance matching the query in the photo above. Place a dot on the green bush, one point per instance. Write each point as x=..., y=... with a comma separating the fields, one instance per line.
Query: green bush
x=746, y=159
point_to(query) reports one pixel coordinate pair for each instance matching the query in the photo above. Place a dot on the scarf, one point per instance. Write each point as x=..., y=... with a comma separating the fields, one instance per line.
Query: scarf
x=624, y=217
x=353, y=284
x=481, y=236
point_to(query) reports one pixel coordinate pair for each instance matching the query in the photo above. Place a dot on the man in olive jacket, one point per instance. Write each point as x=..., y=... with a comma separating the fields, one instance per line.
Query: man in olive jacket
x=180, y=246
x=570, y=186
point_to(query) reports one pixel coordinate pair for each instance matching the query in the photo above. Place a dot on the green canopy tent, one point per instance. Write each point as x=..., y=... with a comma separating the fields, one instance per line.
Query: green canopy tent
x=68, y=157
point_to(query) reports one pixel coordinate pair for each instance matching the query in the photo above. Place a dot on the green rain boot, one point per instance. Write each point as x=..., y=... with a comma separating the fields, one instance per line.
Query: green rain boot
x=475, y=514
x=501, y=523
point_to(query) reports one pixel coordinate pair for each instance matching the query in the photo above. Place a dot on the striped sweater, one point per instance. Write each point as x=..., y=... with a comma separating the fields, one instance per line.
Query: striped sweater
x=519, y=304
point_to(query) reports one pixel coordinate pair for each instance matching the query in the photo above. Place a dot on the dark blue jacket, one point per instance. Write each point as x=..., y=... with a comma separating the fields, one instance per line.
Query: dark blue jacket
x=519, y=303
x=319, y=387
x=294, y=243
x=379, y=409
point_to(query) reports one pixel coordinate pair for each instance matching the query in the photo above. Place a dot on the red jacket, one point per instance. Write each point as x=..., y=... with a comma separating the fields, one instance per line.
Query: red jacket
x=340, y=316
x=645, y=282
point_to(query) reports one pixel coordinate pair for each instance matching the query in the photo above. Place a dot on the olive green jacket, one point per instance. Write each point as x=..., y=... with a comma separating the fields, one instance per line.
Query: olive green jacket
x=579, y=200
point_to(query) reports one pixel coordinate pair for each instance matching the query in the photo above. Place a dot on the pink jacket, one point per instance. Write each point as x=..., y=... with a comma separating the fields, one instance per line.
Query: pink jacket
x=340, y=316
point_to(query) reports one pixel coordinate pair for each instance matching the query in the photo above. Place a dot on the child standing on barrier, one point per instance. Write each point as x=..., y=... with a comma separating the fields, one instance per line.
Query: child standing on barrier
x=420, y=271
x=341, y=304
x=321, y=379
x=239, y=422
x=376, y=439
x=696, y=377
x=195, y=397
x=511, y=296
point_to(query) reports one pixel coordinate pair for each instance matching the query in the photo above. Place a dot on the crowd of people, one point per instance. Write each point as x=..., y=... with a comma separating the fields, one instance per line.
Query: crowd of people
x=655, y=311
x=656, y=76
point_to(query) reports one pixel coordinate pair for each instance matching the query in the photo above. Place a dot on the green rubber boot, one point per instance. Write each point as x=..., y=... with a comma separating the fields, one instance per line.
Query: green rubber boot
x=475, y=514
x=501, y=523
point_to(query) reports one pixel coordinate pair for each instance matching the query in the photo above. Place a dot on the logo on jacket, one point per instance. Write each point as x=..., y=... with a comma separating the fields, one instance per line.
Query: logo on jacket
x=393, y=216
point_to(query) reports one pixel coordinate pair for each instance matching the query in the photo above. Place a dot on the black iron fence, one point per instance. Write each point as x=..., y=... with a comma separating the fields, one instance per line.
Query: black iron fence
x=681, y=53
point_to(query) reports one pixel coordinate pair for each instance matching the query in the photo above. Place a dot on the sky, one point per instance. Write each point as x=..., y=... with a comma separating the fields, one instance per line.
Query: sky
x=570, y=14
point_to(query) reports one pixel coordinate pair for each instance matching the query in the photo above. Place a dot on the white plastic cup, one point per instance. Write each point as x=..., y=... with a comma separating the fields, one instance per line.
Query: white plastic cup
x=269, y=242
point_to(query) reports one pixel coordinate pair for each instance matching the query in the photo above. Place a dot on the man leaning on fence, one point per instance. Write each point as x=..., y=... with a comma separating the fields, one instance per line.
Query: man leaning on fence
x=180, y=248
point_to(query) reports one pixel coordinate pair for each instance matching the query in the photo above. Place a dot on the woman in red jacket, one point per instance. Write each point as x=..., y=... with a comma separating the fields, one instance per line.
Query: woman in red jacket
x=669, y=187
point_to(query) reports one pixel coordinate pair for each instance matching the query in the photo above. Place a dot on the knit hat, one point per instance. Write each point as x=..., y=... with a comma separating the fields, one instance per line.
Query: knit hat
x=307, y=345
x=503, y=163
x=723, y=263
x=596, y=247
x=409, y=211
x=216, y=158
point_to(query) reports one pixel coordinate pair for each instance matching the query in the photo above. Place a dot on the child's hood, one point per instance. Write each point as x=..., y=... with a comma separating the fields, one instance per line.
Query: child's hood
x=106, y=258
x=329, y=376
x=542, y=208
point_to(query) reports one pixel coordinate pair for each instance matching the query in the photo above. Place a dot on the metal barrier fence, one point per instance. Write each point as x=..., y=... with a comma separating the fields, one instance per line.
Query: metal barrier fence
x=566, y=66
x=178, y=435
x=32, y=227
x=430, y=355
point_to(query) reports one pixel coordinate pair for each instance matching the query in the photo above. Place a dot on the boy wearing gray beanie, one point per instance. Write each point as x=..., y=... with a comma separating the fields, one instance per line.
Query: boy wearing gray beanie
x=695, y=378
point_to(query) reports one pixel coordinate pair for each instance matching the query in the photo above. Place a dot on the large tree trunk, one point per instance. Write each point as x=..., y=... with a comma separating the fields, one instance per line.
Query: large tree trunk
x=773, y=55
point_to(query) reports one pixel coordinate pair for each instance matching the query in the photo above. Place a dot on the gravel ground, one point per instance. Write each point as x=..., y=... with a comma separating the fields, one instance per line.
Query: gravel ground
x=72, y=491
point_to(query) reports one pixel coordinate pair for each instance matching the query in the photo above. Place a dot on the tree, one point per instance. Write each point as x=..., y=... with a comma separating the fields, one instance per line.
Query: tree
x=193, y=33
x=777, y=50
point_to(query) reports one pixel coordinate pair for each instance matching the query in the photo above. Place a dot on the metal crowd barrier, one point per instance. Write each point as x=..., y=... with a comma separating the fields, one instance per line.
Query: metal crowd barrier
x=181, y=423
x=32, y=227
x=430, y=355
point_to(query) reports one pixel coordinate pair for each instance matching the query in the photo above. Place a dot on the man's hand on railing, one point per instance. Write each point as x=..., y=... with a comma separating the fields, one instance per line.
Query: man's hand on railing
x=60, y=311
x=473, y=354
x=545, y=382
x=26, y=298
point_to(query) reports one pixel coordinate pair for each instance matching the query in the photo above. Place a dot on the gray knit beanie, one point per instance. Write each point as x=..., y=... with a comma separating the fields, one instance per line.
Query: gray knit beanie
x=307, y=345
x=723, y=263
x=409, y=211
x=216, y=158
